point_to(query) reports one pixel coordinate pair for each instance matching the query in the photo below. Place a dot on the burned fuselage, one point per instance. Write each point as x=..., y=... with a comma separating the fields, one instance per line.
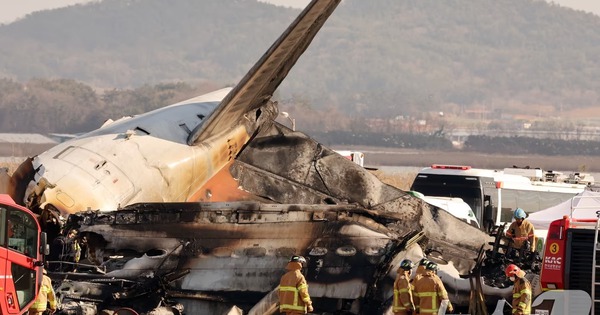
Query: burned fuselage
x=298, y=197
x=206, y=200
x=239, y=248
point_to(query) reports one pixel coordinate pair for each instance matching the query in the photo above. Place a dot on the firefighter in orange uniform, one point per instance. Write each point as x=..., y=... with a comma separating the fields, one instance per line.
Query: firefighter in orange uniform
x=521, y=230
x=45, y=296
x=429, y=292
x=293, y=289
x=421, y=269
x=403, y=298
x=521, y=302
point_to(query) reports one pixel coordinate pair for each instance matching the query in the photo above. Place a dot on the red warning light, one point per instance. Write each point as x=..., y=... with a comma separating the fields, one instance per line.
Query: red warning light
x=451, y=167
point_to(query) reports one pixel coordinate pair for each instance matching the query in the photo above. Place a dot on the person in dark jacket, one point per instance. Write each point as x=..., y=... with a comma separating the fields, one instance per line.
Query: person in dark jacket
x=64, y=249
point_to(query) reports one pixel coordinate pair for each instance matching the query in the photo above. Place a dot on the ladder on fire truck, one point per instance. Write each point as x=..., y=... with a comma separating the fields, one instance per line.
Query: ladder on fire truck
x=595, y=265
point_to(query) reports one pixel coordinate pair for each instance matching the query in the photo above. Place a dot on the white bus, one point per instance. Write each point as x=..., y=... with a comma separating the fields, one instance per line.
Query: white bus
x=493, y=195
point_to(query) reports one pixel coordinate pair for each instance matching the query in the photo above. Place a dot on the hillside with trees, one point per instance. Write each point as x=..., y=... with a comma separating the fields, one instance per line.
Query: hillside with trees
x=69, y=69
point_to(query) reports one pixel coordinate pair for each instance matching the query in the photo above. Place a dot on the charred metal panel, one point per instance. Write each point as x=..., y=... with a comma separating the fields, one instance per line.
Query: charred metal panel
x=242, y=246
x=276, y=188
x=281, y=155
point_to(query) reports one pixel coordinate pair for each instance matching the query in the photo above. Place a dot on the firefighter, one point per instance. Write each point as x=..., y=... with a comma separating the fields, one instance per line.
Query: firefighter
x=421, y=268
x=521, y=302
x=429, y=292
x=293, y=289
x=67, y=249
x=521, y=230
x=403, y=297
x=46, y=296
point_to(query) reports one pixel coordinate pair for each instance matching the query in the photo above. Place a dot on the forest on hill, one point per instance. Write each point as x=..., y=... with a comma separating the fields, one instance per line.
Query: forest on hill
x=69, y=69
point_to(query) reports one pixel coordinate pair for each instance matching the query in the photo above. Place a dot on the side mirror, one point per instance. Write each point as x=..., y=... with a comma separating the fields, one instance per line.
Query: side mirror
x=44, y=248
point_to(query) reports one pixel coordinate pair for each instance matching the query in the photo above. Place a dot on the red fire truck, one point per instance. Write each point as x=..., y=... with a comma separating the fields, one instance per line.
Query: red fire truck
x=21, y=257
x=570, y=257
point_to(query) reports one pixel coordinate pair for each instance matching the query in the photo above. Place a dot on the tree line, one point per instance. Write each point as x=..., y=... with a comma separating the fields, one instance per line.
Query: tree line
x=379, y=58
x=67, y=106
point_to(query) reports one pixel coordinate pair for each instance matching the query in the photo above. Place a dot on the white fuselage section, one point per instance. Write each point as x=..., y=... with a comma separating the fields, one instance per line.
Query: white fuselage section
x=142, y=158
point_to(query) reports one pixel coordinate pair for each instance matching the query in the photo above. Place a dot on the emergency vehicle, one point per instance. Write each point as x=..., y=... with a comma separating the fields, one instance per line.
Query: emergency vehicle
x=494, y=194
x=571, y=257
x=21, y=257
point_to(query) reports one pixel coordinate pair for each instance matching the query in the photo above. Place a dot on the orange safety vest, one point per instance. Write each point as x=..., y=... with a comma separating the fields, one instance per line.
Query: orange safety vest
x=293, y=290
x=429, y=292
x=522, y=232
x=403, y=297
x=521, y=303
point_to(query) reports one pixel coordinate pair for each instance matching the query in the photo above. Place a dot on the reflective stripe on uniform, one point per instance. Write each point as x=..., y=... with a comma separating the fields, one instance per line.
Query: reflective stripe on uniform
x=303, y=286
x=40, y=304
x=400, y=307
x=294, y=306
x=434, y=303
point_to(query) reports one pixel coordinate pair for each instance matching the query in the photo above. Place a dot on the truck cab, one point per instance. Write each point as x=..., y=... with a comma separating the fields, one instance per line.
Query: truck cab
x=22, y=245
x=570, y=258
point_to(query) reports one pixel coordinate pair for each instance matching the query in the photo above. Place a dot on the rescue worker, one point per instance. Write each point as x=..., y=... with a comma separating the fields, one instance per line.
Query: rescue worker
x=521, y=302
x=293, y=289
x=65, y=248
x=429, y=292
x=521, y=230
x=46, y=296
x=403, y=297
x=421, y=268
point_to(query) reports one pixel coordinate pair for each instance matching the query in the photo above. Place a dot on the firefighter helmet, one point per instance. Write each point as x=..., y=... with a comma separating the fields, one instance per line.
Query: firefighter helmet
x=299, y=259
x=406, y=264
x=431, y=266
x=520, y=214
x=423, y=261
x=512, y=270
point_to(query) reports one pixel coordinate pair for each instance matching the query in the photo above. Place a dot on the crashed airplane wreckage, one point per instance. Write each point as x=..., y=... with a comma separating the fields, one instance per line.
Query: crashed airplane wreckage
x=352, y=228
x=199, y=205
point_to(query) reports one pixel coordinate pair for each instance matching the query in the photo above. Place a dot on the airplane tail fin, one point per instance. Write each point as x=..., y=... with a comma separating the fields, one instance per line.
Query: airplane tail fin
x=259, y=84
